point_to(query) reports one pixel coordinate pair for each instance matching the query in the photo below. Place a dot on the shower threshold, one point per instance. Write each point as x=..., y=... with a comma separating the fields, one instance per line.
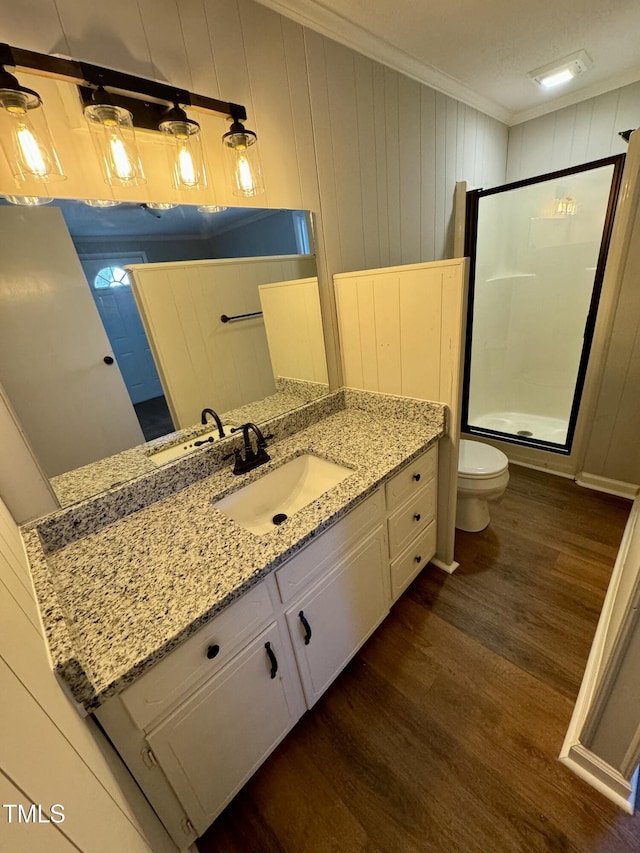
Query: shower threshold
x=522, y=425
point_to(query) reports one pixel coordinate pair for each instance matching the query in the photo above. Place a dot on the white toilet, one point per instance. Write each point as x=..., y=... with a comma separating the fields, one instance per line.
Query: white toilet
x=483, y=474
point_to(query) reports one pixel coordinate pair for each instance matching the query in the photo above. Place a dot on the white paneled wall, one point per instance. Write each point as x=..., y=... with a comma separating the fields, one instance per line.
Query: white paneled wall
x=577, y=134
x=48, y=753
x=293, y=325
x=401, y=333
x=201, y=360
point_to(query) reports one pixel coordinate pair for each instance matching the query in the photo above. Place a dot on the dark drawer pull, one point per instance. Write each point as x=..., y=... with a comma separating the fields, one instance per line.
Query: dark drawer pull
x=417, y=516
x=306, y=626
x=416, y=477
x=212, y=651
x=418, y=559
x=272, y=659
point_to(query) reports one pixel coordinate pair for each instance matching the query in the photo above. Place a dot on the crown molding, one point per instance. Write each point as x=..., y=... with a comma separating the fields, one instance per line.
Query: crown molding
x=311, y=14
x=328, y=23
x=616, y=81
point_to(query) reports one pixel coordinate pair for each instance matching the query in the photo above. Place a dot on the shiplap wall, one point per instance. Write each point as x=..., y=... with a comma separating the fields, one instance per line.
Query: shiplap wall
x=201, y=360
x=577, y=134
x=567, y=137
x=293, y=325
x=48, y=753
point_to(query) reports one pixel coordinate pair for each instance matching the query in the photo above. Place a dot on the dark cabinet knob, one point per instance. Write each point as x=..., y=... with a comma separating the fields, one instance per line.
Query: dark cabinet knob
x=108, y=359
x=212, y=651
x=418, y=559
x=416, y=477
x=417, y=516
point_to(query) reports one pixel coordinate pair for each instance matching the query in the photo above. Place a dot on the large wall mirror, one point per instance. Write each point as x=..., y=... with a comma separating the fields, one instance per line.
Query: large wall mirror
x=111, y=333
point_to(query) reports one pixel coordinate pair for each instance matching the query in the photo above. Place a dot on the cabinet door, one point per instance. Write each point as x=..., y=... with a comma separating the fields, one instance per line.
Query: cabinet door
x=213, y=742
x=336, y=616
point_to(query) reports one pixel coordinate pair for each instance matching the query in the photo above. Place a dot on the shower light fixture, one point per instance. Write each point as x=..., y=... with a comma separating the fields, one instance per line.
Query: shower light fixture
x=561, y=71
x=243, y=159
x=187, y=160
x=28, y=149
x=29, y=200
x=115, y=104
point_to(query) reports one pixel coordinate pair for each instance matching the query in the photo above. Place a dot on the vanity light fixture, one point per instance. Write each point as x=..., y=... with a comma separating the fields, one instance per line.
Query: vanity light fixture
x=29, y=200
x=30, y=151
x=115, y=141
x=101, y=202
x=187, y=160
x=243, y=159
x=211, y=208
x=561, y=71
x=116, y=103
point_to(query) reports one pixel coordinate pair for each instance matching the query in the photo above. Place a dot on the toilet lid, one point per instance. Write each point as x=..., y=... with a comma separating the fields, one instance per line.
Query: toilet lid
x=479, y=460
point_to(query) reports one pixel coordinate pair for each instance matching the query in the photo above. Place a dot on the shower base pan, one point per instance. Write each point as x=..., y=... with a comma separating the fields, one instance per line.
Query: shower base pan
x=522, y=425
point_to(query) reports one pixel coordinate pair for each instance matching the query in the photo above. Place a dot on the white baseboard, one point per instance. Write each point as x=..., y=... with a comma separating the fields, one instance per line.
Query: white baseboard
x=599, y=775
x=606, y=485
x=544, y=468
x=446, y=567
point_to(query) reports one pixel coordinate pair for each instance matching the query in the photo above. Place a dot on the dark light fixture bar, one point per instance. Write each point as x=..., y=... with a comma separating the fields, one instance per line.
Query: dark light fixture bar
x=90, y=76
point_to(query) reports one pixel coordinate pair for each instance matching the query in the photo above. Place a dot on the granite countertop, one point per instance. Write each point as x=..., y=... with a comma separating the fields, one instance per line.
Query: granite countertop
x=117, y=600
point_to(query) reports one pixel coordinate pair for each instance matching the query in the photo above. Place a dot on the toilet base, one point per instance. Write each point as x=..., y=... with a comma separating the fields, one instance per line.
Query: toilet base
x=472, y=514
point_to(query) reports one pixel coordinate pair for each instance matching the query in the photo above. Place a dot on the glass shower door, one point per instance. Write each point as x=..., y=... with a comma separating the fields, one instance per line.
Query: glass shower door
x=538, y=250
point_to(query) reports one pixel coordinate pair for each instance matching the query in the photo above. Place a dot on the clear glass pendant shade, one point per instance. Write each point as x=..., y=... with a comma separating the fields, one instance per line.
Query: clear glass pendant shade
x=186, y=155
x=114, y=138
x=243, y=161
x=26, y=140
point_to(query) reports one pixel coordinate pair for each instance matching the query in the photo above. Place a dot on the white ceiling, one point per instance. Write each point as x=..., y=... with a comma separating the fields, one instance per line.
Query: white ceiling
x=481, y=52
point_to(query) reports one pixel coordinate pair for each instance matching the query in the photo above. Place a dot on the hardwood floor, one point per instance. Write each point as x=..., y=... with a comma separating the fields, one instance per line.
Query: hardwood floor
x=443, y=733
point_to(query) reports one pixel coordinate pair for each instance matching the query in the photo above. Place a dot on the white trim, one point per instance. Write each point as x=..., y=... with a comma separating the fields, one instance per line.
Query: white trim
x=544, y=468
x=338, y=28
x=599, y=775
x=446, y=567
x=606, y=485
x=310, y=14
x=615, y=81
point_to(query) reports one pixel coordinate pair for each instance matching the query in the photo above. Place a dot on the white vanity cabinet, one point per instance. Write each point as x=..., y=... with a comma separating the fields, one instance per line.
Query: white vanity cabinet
x=212, y=743
x=335, y=617
x=196, y=726
x=411, y=500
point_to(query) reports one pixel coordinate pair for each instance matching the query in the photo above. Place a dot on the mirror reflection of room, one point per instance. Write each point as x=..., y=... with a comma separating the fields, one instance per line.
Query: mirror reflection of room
x=112, y=333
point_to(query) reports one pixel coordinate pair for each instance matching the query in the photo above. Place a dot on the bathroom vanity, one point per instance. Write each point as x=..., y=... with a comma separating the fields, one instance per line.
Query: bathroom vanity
x=198, y=644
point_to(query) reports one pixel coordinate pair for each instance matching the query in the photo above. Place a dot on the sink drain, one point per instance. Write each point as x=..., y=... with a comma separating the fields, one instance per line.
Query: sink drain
x=279, y=517
x=525, y=432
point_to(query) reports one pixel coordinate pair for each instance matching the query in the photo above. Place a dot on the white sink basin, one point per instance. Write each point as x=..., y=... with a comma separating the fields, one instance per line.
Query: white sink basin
x=282, y=492
x=204, y=439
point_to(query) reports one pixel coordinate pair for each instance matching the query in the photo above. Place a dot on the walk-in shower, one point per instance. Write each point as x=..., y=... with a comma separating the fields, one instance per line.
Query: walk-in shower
x=538, y=250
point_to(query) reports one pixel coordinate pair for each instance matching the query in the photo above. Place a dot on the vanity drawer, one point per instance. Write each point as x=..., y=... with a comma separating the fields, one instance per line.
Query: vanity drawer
x=411, y=518
x=412, y=560
x=186, y=666
x=295, y=575
x=412, y=478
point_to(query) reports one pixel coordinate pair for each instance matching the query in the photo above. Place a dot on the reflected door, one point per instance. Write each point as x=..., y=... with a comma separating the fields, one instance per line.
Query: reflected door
x=73, y=407
x=538, y=250
x=111, y=290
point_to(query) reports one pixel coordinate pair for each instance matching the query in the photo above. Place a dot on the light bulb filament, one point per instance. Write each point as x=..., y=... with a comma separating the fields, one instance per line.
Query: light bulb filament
x=186, y=167
x=121, y=163
x=30, y=152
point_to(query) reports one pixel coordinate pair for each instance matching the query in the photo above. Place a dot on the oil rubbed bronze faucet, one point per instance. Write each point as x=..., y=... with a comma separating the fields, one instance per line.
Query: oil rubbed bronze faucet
x=203, y=420
x=251, y=459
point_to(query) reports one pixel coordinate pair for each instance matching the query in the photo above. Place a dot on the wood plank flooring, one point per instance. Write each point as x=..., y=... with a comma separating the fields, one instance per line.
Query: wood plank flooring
x=443, y=733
